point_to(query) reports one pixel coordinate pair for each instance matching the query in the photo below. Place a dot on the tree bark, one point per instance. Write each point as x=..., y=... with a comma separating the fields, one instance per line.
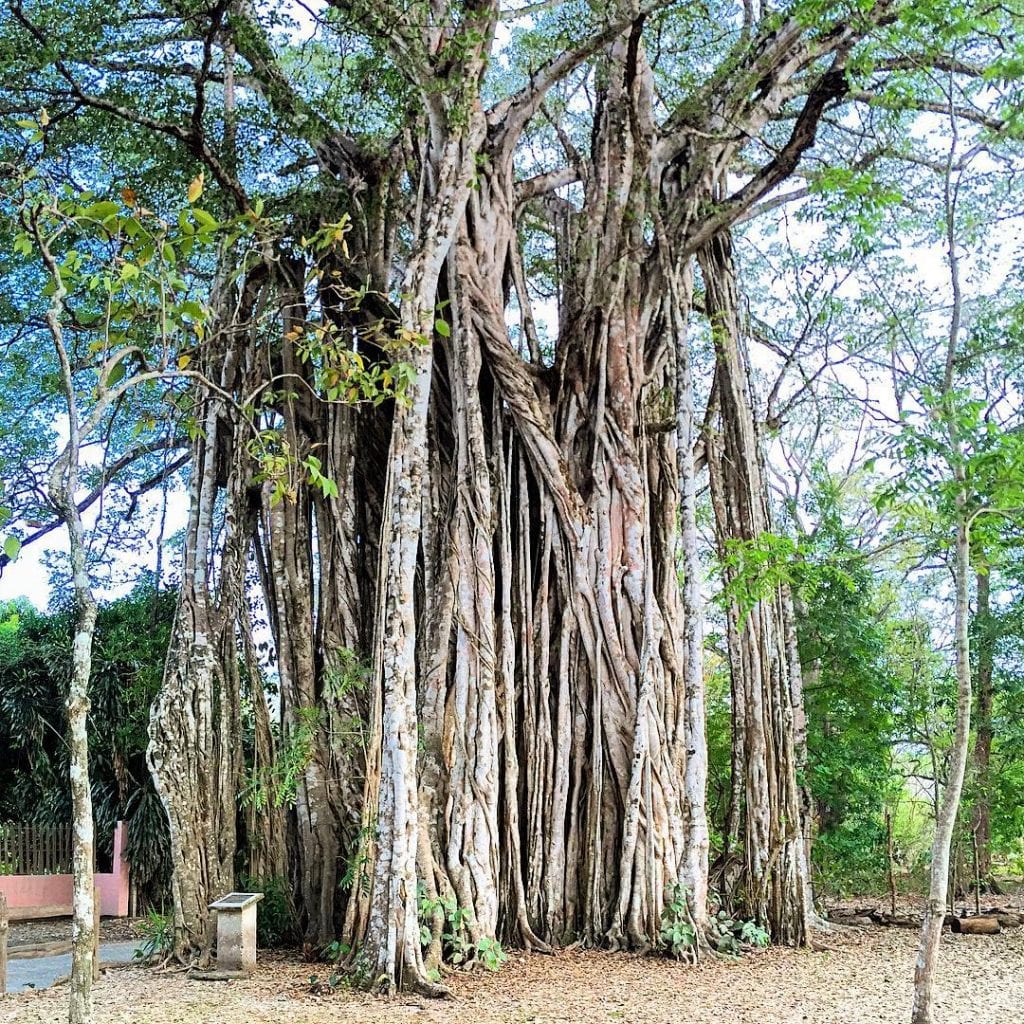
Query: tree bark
x=774, y=884
x=947, y=811
x=935, y=909
x=195, y=745
x=391, y=945
x=63, y=485
x=981, y=817
x=698, y=842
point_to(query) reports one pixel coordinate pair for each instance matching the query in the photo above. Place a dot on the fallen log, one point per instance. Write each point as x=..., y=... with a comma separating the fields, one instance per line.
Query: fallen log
x=975, y=925
x=990, y=922
x=1006, y=918
x=842, y=913
x=895, y=920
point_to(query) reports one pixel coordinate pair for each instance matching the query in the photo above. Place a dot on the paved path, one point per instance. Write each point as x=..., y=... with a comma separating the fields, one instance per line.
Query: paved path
x=43, y=971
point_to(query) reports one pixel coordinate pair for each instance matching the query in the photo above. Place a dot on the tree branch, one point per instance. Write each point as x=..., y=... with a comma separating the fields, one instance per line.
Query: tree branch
x=829, y=87
x=193, y=139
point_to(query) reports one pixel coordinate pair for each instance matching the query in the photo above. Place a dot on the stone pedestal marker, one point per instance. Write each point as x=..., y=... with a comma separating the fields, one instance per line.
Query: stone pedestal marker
x=236, y=932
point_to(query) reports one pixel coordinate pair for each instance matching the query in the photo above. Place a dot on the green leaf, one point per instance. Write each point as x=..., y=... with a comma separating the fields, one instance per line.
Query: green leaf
x=12, y=547
x=442, y=328
x=204, y=221
x=101, y=210
x=116, y=374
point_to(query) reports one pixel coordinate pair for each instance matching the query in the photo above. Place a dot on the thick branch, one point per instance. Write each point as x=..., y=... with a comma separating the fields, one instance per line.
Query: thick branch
x=830, y=86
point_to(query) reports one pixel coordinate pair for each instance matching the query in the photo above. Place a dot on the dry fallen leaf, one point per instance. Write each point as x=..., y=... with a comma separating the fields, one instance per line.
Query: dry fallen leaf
x=864, y=977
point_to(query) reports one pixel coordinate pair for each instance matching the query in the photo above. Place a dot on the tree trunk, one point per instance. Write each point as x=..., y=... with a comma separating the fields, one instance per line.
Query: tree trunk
x=84, y=918
x=598, y=618
x=890, y=860
x=981, y=817
x=63, y=492
x=698, y=842
x=265, y=827
x=935, y=909
x=774, y=884
x=390, y=950
x=946, y=816
x=195, y=728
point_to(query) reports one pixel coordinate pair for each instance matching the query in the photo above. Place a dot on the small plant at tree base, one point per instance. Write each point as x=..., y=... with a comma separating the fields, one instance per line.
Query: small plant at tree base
x=157, y=937
x=733, y=935
x=332, y=984
x=678, y=936
x=491, y=954
x=752, y=934
x=334, y=951
x=352, y=976
x=458, y=948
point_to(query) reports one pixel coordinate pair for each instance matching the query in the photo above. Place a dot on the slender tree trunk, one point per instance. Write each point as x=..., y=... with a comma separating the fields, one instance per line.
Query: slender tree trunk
x=84, y=916
x=63, y=488
x=946, y=816
x=890, y=860
x=935, y=909
x=981, y=818
x=391, y=947
x=392, y=941
x=698, y=843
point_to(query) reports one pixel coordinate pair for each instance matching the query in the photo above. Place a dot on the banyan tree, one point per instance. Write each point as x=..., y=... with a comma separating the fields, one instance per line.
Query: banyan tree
x=451, y=441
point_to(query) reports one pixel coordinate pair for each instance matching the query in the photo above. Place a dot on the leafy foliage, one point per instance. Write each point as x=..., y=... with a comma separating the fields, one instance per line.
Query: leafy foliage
x=458, y=948
x=157, y=937
x=35, y=664
x=678, y=935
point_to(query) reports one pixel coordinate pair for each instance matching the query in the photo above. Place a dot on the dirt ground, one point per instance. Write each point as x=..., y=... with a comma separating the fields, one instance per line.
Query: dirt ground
x=56, y=929
x=861, y=977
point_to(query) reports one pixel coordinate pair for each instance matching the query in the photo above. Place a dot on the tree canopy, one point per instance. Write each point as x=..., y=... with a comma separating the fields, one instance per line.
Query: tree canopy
x=573, y=403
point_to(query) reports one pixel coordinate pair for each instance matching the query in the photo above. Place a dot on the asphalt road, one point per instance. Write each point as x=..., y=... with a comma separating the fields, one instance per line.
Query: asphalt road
x=43, y=971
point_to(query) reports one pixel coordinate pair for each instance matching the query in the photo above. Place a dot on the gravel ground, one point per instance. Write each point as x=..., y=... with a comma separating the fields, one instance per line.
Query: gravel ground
x=862, y=977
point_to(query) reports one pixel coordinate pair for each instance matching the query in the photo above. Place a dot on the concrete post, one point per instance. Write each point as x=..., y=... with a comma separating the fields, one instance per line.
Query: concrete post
x=236, y=932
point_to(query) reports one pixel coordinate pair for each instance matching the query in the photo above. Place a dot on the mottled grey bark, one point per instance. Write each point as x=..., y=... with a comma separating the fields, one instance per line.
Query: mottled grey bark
x=63, y=487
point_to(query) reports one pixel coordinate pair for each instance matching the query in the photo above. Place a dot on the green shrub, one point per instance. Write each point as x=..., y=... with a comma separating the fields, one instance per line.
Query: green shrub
x=157, y=937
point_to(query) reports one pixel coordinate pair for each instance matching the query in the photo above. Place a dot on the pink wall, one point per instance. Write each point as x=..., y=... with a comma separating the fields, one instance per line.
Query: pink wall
x=113, y=887
x=50, y=895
